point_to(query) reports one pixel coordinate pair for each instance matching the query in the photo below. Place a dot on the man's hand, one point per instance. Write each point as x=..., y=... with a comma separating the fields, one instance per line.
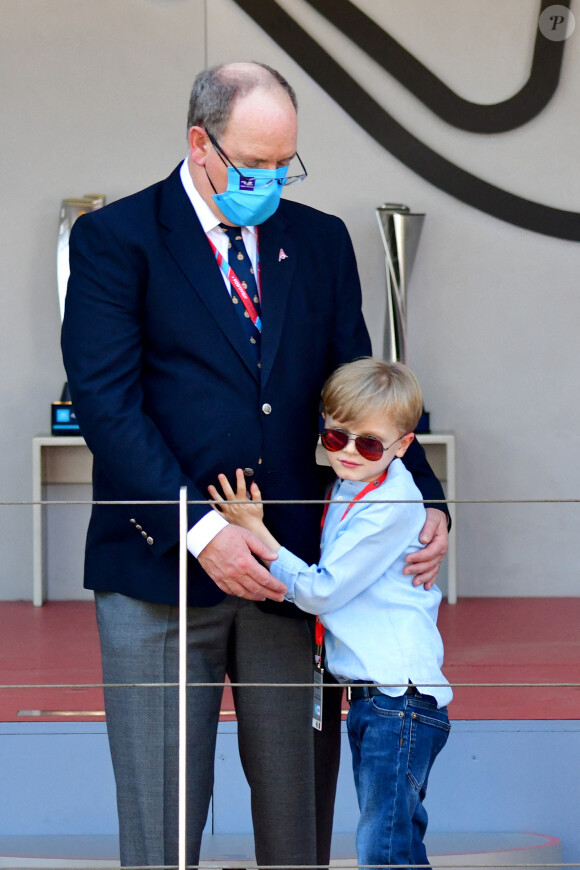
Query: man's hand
x=229, y=561
x=425, y=563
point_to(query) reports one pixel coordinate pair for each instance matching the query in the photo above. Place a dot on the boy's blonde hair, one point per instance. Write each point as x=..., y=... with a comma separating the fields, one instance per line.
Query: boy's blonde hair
x=374, y=386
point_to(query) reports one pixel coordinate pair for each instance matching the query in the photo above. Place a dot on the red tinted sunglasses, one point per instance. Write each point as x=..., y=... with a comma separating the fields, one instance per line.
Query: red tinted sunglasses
x=368, y=446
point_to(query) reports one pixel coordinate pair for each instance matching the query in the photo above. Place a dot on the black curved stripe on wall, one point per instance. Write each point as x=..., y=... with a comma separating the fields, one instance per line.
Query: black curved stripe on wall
x=423, y=84
x=324, y=70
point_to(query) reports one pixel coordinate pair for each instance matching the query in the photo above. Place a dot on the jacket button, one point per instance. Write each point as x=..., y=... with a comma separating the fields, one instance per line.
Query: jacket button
x=267, y=408
x=248, y=472
x=150, y=541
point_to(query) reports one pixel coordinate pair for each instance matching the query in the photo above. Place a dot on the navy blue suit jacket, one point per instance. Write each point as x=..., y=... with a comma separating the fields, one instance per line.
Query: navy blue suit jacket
x=164, y=387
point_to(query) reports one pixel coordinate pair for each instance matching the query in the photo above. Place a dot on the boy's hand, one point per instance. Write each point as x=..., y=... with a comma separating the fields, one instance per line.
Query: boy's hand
x=248, y=514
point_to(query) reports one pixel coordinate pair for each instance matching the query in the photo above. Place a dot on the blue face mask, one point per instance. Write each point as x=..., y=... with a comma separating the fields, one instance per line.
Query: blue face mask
x=251, y=200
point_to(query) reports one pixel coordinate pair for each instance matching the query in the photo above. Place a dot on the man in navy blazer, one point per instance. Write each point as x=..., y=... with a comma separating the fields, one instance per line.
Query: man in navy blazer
x=168, y=392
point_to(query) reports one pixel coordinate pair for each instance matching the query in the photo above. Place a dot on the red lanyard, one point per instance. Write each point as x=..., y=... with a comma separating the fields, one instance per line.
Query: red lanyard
x=368, y=488
x=319, y=628
x=237, y=284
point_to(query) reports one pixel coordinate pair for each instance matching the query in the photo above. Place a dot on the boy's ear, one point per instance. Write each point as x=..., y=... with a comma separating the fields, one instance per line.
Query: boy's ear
x=404, y=445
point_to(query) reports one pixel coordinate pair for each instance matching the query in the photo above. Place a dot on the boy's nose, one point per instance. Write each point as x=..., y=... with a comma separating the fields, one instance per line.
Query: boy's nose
x=350, y=446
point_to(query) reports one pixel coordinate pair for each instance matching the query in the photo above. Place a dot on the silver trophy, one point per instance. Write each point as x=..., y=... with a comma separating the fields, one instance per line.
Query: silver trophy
x=70, y=210
x=63, y=420
x=400, y=230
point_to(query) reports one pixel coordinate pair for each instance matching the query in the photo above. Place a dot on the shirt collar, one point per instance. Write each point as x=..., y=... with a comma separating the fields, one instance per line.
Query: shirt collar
x=350, y=488
x=207, y=218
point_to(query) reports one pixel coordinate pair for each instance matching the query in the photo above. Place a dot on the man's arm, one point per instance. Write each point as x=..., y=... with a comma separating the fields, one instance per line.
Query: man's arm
x=425, y=563
x=102, y=343
x=428, y=484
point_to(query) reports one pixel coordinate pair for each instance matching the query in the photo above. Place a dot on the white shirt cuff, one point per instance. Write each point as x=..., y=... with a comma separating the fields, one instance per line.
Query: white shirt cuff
x=204, y=531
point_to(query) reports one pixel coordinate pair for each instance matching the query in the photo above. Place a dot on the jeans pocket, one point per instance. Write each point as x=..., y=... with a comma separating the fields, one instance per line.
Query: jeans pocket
x=384, y=705
x=428, y=735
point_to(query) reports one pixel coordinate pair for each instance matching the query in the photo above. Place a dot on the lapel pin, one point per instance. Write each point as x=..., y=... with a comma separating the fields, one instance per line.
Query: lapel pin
x=282, y=255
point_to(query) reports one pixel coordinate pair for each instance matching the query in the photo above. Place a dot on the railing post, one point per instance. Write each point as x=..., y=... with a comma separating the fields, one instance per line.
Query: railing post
x=182, y=797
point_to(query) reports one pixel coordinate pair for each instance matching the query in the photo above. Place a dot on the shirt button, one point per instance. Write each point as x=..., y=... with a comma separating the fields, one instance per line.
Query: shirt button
x=266, y=408
x=133, y=521
x=150, y=541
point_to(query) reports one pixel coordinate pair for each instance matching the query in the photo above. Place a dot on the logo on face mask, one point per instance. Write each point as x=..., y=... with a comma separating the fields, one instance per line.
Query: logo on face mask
x=251, y=200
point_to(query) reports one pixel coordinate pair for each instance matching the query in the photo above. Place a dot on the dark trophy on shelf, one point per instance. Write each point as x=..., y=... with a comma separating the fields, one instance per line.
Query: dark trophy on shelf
x=400, y=230
x=63, y=420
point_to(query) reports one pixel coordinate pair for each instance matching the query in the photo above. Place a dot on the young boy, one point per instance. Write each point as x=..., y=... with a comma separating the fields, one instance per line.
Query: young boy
x=380, y=629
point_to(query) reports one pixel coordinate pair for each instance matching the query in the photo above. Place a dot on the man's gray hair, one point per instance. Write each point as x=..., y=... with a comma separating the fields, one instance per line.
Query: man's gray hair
x=215, y=90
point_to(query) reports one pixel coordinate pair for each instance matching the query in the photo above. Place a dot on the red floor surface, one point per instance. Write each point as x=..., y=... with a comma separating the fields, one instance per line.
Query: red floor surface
x=487, y=640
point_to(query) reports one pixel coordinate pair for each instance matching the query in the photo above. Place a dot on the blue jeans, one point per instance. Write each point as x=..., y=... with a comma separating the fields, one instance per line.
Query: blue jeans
x=394, y=742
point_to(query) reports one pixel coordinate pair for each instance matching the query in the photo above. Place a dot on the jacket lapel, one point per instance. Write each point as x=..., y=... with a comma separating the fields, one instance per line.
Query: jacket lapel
x=188, y=245
x=278, y=261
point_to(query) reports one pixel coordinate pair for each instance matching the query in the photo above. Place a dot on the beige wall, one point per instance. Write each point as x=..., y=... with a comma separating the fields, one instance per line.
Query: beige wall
x=93, y=99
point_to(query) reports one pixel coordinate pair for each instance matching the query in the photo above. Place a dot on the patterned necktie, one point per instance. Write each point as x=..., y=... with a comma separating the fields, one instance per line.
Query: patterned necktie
x=241, y=264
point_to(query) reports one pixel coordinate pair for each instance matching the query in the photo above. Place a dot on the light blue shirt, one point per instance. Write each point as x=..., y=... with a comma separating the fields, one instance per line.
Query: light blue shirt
x=379, y=627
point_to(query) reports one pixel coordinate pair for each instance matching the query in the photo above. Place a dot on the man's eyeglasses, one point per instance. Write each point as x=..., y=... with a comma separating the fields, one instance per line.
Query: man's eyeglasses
x=368, y=446
x=247, y=174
